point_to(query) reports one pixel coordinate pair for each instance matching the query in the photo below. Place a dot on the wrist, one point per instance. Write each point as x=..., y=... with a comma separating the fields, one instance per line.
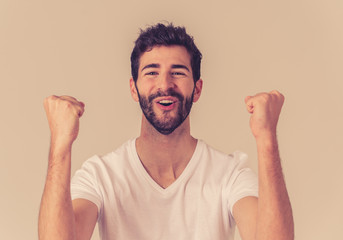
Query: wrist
x=267, y=140
x=60, y=147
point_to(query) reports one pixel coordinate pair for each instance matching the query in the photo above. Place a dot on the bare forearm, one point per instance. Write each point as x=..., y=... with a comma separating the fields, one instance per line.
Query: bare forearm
x=275, y=220
x=56, y=218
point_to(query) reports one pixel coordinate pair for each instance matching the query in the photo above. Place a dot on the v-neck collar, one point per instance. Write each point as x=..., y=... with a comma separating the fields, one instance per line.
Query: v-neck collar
x=145, y=175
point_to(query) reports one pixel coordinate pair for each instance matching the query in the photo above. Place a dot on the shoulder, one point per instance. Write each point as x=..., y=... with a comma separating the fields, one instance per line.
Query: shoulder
x=116, y=159
x=221, y=164
x=218, y=157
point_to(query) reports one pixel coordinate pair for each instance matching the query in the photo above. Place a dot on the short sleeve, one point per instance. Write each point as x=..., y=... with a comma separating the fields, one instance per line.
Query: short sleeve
x=84, y=183
x=243, y=181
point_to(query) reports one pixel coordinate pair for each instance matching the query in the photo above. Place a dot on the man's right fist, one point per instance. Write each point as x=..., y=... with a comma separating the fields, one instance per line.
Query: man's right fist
x=63, y=115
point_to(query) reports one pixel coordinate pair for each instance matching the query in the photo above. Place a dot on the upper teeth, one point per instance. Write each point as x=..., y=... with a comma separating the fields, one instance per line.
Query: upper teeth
x=166, y=101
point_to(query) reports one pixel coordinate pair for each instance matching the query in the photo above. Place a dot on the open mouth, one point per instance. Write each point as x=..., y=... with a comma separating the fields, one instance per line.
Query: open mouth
x=166, y=102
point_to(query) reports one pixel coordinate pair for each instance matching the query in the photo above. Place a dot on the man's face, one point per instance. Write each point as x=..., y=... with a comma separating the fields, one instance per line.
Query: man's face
x=165, y=87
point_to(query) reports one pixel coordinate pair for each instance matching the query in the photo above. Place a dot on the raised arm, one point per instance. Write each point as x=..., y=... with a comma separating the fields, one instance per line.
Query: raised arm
x=59, y=218
x=269, y=216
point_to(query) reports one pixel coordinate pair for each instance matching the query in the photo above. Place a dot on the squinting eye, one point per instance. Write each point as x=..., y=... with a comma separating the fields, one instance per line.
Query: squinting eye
x=151, y=73
x=178, y=73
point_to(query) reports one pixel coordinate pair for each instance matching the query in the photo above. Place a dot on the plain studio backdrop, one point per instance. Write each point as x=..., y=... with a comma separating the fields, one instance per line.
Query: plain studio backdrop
x=82, y=48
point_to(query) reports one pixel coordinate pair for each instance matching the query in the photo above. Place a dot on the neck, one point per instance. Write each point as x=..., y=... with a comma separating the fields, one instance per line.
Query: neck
x=165, y=156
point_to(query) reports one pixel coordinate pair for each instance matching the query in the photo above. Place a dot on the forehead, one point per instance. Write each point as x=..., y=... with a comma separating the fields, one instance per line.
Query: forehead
x=166, y=55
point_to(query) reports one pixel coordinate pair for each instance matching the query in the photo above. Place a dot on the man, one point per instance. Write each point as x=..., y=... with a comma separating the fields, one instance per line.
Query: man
x=165, y=184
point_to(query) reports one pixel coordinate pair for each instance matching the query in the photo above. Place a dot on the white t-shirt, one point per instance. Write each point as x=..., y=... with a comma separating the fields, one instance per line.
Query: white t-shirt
x=198, y=205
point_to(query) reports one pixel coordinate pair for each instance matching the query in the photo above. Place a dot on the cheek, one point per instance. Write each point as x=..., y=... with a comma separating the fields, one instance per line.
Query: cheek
x=185, y=85
x=190, y=89
x=144, y=87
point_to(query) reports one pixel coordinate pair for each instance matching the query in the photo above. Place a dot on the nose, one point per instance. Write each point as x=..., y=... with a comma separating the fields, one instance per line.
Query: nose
x=165, y=82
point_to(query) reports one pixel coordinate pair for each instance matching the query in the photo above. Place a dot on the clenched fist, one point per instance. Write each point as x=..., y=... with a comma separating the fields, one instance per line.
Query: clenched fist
x=265, y=109
x=63, y=115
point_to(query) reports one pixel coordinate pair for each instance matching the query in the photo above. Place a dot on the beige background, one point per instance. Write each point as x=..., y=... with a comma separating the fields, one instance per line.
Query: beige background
x=82, y=48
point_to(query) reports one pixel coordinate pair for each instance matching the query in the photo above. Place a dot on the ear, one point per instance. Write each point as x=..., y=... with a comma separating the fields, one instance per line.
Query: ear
x=133, y=90
x=197, y=90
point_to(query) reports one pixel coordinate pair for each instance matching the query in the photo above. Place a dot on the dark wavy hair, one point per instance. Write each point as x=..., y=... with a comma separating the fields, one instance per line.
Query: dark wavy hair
x=162, y=35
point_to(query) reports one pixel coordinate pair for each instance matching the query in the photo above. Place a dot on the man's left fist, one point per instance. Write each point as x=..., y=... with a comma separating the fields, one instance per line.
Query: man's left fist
x=265, y=109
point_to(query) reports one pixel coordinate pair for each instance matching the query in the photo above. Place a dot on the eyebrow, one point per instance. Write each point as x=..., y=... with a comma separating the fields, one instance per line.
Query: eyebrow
x=156, y=65
x=180, y=66
x=152, y=65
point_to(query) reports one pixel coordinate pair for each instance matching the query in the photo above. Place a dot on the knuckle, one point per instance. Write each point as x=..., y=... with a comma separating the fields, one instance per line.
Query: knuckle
x=49, y=99
x=265, y=97
x=53, y=97
x=68, y=104
x=277, y=93
x=45, y=101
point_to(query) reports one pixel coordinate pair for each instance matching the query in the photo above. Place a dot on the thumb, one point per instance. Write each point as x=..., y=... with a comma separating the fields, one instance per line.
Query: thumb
x=249, y=104
x=247, y=99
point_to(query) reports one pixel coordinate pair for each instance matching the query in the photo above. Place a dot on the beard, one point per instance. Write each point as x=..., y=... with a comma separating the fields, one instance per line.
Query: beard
x=167, y=123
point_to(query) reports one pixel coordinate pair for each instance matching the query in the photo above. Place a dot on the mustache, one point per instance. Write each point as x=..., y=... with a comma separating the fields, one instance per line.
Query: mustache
x=169, y=93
